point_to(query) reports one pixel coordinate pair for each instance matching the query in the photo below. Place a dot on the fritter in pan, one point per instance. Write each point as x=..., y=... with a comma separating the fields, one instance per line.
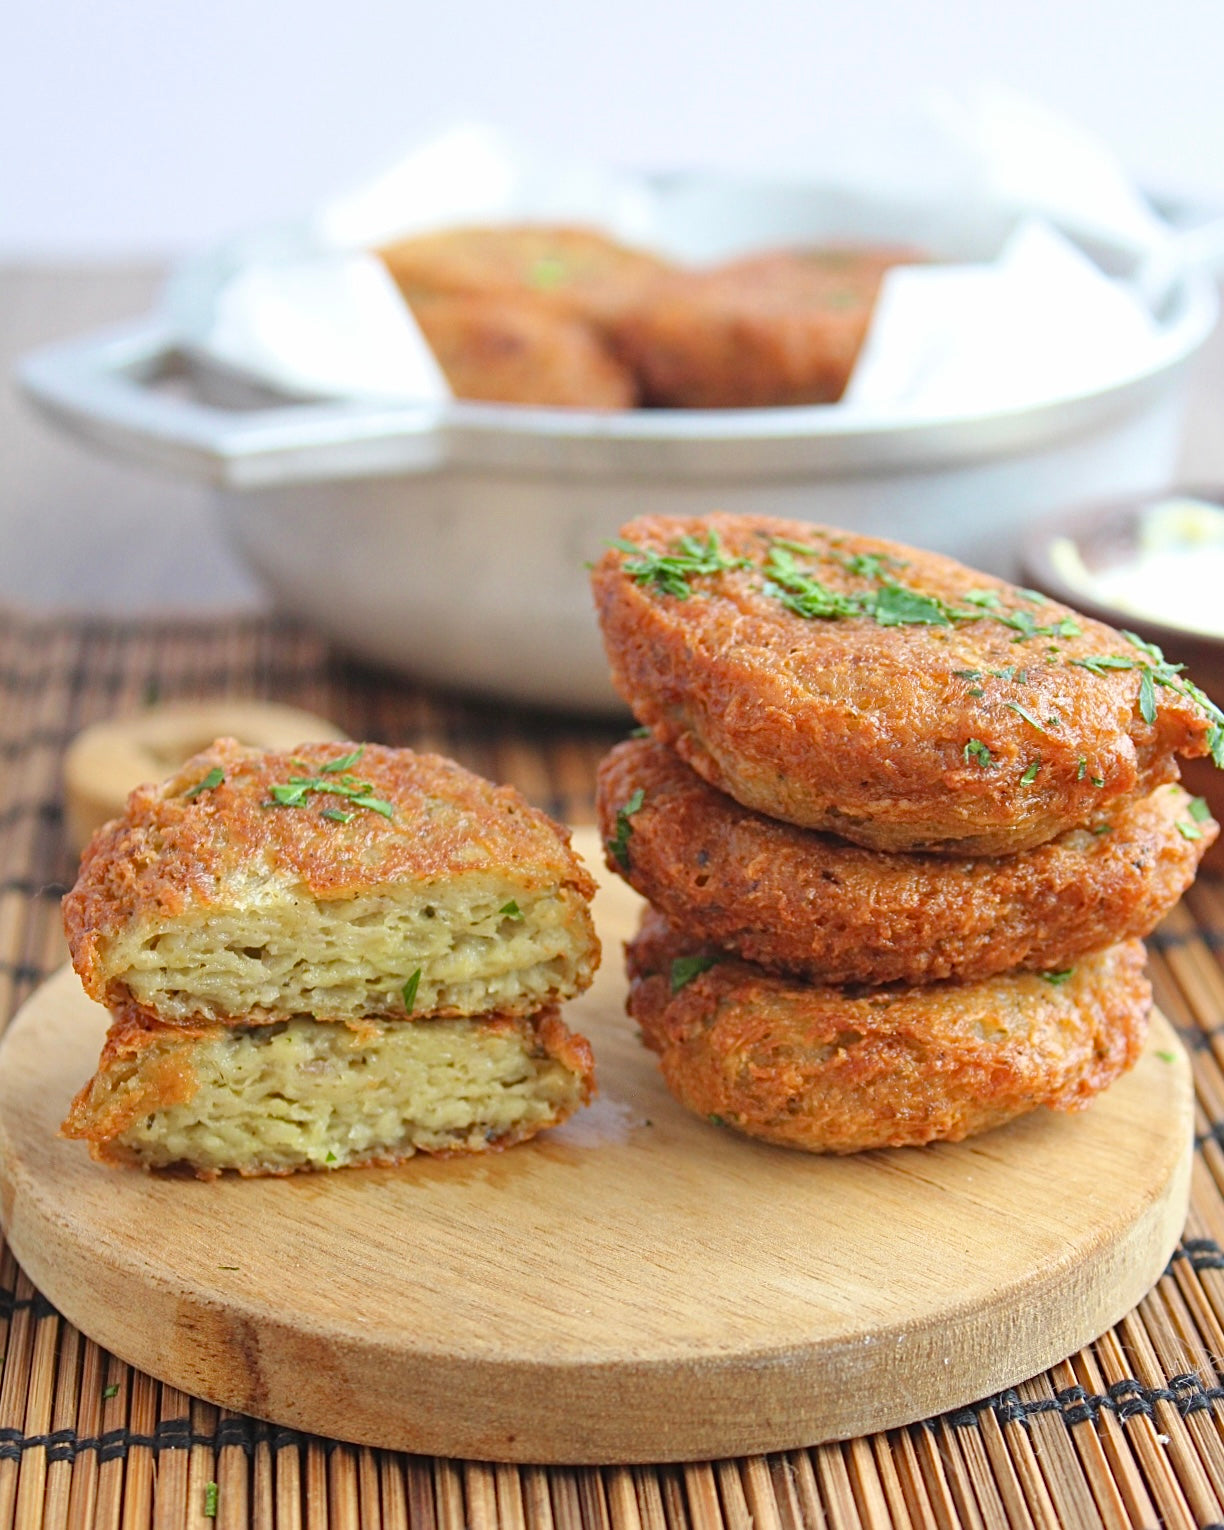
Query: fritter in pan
x=890, y=696
x=510, y=350
x=273, y=1099
x=779, y=328
x=801, y=902
x=835, y=1071
x=340, y=882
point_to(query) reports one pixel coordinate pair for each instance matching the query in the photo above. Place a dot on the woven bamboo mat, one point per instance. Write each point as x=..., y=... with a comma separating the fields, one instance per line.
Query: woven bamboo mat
x=1127, y=1432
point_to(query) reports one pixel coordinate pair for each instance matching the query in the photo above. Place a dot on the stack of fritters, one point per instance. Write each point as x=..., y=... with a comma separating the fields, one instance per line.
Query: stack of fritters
x=339, y=956
x=901, y=826
x=539, y=314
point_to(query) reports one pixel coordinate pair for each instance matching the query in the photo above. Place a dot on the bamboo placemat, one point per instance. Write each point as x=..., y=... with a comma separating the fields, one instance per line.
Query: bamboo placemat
x=1127, y=1432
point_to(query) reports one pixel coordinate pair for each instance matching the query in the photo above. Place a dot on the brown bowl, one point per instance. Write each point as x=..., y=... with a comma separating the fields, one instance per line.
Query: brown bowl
x=1106, y=536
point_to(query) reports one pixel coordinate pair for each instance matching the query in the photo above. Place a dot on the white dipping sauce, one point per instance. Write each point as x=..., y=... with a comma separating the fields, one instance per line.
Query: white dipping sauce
x=1176, y=576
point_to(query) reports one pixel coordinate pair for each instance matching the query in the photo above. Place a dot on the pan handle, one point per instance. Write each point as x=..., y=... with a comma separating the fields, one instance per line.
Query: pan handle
x=109, y=388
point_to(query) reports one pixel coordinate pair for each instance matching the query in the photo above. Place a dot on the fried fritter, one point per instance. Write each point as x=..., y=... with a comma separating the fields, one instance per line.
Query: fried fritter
x=784, y=327
x=510, y=350
x=834, y=1071
x=339, y=882
x=801, y=902
x=273, y=1099
x=572, y=270
x=890, y=696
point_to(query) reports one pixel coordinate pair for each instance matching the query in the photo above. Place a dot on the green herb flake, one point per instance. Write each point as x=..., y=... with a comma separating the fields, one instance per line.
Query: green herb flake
x=345, y=762
x=1167, y=1057
x=1098, y=781
x=895, y=606
x=547, y=272
x=510, y=910
x=642, y=732
x=618, y=845
x=375, y=805
x=1199, y=810
x=975, y=749
x=210, y=1500
x=1147, y=697
x=111, y=1391
x=331, y=1157
x=213, y=779
x=1188, y=830
x=1058, y=978
x=1027, y=715
x=685, y=968
x=410, y=990
x=1030, y=775
x=967, y=674
x=987, y=599
x=336, y=815
x=976, y=692
x=1102, y=828
x=716, y=1120
x=1082, y=768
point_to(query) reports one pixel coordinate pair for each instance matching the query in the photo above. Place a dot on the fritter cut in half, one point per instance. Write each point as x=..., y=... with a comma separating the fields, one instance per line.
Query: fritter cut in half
x=340, y=883
x=779, y=328
x=273, y=1099
x=509, y=350
x=890, y=696
x=809, y=904
x=568, y=269
x=829, y=1070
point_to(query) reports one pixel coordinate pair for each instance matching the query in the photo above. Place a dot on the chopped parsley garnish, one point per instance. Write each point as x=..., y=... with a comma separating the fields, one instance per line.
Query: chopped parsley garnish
x=213, y=779
x=1188, y=830
x=333, y=778
x=1167, y=1056
x=1199, y=810
x=1082, y=768
x=111, y=1391
x=1030, y=775
x=967, y=674
x=618, y=845
x=1098, y=781
x=671, y=572
x=716, y=1120
x=210, y=1500
x=1028, y=716
x=1102, y=828
x=975, y=749
x=642, y=732
x=345, y=762
x=685, y=968
x=988, y=599
x=1147, y=697
x=896, y=606
x=410, y=989
x=331, y=1157
x=510, y=910
x=1057, y=979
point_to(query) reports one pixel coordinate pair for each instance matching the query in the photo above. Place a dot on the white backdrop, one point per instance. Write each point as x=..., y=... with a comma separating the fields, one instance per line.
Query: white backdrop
x=144, y=126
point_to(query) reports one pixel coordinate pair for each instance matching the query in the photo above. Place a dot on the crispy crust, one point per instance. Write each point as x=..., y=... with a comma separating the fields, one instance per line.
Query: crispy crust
x=173, y=854
x=512, y=350
x=783, y=327
x=146, y=1068
x=864, y=729
x=797, y=901
x=831, y=1071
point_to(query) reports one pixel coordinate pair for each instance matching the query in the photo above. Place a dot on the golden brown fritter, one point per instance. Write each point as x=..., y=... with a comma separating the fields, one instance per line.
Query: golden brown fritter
x=891, y=696
x=339, y=882
x=784, y=327
x=572, y=270
x=273, y=1099
x=797, y=901
x=510, y=350
x=835, y=1071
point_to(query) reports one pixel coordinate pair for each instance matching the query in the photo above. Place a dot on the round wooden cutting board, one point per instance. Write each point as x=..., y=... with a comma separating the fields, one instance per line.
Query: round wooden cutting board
x=638, y=1286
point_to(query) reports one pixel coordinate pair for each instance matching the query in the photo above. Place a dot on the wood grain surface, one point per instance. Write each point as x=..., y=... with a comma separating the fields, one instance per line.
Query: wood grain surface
x=640, y=1286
